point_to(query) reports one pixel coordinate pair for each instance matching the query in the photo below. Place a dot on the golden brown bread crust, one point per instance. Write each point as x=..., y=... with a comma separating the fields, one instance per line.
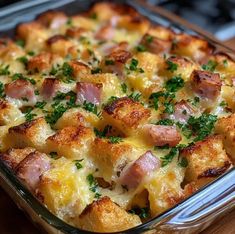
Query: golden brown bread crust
x=100, y=215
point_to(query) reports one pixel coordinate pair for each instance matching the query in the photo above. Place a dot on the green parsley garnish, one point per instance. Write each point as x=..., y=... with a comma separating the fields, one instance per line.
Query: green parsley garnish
x=195, y=101
x=124, y=87
x=78, y=163
x=103, y=133
x=169, y=107
x=69, y=22
x=202, y=126
x=225, y=62
x=223, y=104
x=20, y=43
x=210, y=66
x=109, y=62
x=53, y=155
x=31, y=53
x=134, y=66
x=171, y=66
x=4, y=71
x=1, y=90
x=149, y=39
x=183, y=162
x=90, y=107
x=143, y=213
x=28, y=114
x=57, y=112
x=141, y=48
x=174, y=84
x=17, y=76
x=93, y=185
x=96, y=70
x=23, y=60
x=135, y=96
x=168, y=122
x=94, y=16
x=40, y=105
x=114, y=139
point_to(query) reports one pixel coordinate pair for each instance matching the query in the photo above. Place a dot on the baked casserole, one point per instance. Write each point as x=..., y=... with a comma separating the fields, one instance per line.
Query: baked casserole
x=110, y=120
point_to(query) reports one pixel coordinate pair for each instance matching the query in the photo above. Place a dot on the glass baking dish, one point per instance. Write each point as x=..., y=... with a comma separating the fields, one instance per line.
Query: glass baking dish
x=190, y=216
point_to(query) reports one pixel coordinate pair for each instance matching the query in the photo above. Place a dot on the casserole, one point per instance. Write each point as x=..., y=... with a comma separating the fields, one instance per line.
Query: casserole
x=149, y=224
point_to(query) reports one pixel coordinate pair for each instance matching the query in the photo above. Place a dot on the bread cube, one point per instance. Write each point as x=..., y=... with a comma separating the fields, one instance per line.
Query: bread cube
x=30, y=134
x=76, y=117
x=106, y=216
x=8, y=113
x=71, y=142
x=126, y=115
x=206, y=159
x=226, y=128
x=65, y=188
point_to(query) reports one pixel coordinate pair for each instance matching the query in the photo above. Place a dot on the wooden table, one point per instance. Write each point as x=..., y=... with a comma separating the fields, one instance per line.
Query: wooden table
x=14, y=221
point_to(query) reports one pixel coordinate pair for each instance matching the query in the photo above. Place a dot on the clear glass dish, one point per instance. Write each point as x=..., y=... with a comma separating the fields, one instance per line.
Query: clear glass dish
x=190, y=216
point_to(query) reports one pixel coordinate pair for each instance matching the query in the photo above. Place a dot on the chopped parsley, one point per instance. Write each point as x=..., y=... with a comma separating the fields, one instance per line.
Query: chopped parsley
x=170, y=156
x=93, y=185
x=31, y=53
x=69, y=22
x=223, y=104
x=40, y=105
x=210, y=66
x=94, y=16
x=20, y=43
x=169, y=107
x=23, y=60
x=171, y=66
x=143, y=213
x=149, y=39
x=53, y=155
x=2, y=90
x=168, y=122
x=195, y=101
x=202, y=126
x=124, y=87
x=225, y=63
x=90, y=107
x=103, y=133
x=64, y=73
x=141, y=48
x=114, y=139
x=96, y=70
x=174, y=84
x=183, y=162
x=4, y=71
x=109, y=62
x=17, y=76
x=57, y=112
x=78, y=163
x=135, y=96
x=111, y=100
x=29, y=116
x=133, y=66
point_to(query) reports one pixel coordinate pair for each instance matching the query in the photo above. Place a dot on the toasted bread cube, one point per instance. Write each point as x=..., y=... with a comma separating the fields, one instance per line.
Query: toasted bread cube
x=161, y=32
x=178, y=66
x=164, y=187
x=126, y=115
x=192, y=46
x=65, y=188
x=76, y=117
x=59, y=45
x=30, y=134
x=14, y=156
x=5, y=143
x=228, y=94
x=112, y=158
x=8, y=113
x=206, y=159
x=226, y=128
x=71, y=142
x=106, y=216
x=111, y=85
x=79, y=69
x=148, y=81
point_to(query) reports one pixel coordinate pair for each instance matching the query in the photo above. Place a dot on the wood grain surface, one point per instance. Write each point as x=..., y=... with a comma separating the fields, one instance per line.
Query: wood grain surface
x=14, y=221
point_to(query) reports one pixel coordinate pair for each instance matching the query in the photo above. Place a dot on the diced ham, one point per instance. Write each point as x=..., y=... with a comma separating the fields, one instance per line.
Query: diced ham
x=182, y=112
x=132, y=176
x=105, y=33
x=51, y=86
x=156, y=45
x=20, y=89
x=89, y=92
x=161, y=135
x=206, y=84
x=32, y=167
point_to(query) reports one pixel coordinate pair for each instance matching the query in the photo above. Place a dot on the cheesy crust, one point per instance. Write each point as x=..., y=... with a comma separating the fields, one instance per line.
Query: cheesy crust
x=110, y=120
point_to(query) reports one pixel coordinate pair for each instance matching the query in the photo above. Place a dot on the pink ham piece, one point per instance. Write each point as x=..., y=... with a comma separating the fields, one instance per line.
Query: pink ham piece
x=89, y=92
x=161, y=135
x=182, y=112
x=206, y=84
x=32, y=167
x=20, y=89
x=50, y=87
x=132, y=176
x=105, y=33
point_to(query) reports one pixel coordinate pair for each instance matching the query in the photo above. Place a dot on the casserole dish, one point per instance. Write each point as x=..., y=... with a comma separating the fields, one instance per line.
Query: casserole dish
x=170, y=220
